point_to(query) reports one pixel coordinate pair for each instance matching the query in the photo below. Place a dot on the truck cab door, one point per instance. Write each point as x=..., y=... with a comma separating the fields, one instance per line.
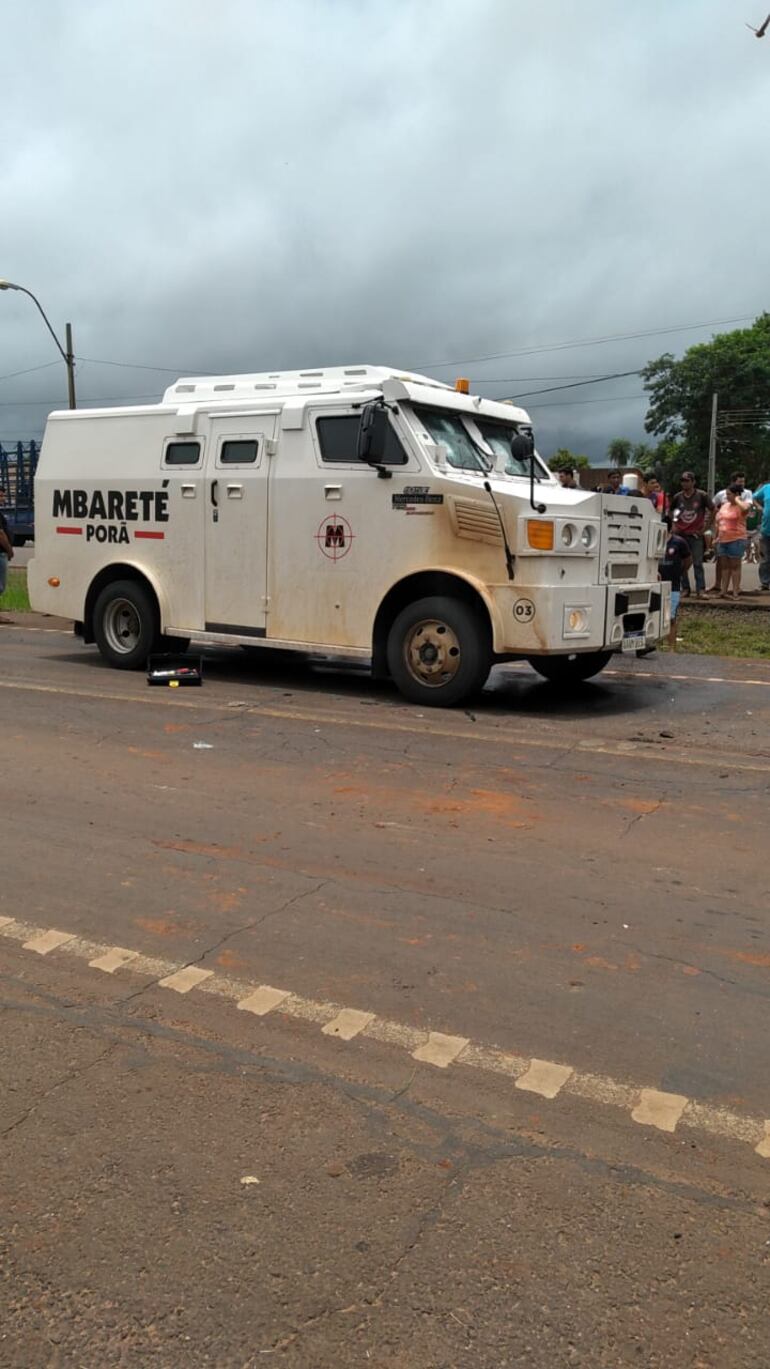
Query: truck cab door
x=236, y=524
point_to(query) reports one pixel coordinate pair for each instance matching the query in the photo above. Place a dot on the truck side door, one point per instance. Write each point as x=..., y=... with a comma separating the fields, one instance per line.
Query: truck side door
x=236, y=524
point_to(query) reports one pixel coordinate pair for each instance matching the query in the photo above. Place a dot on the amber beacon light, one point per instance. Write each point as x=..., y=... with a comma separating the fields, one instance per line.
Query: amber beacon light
x=463, y=385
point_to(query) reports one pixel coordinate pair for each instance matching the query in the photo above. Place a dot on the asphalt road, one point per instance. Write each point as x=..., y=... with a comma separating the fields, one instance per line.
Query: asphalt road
x=338, y=1033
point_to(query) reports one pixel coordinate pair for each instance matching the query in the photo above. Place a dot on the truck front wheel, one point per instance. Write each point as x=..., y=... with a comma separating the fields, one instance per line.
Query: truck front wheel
x=439, y=651
x=570, y=669
x=126, y=625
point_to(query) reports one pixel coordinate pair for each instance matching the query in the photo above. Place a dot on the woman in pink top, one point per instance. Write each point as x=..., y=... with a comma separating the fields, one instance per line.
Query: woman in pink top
x=733, y=538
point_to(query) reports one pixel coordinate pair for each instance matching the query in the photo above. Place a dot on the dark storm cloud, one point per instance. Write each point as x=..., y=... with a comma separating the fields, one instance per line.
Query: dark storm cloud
x=250, y=185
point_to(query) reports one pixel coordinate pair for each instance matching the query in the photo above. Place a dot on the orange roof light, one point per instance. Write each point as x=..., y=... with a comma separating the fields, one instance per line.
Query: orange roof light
x=54, y=581
x=463, y=385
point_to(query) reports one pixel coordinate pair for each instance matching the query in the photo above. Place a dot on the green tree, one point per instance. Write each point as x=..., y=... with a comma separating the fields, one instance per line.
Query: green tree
x=564, y=457
x=734, y=365
x=619, y=452
x=643, y=455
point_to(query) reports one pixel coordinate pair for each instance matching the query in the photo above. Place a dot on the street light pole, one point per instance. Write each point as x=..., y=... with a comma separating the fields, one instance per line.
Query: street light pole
x=68, y=357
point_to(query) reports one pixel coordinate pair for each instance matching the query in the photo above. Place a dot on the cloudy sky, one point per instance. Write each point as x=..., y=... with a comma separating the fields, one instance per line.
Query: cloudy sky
x=256, y=184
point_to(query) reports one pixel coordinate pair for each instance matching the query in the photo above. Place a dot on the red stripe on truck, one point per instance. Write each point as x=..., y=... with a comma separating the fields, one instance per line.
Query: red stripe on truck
x=157, y=536
x=74, y=532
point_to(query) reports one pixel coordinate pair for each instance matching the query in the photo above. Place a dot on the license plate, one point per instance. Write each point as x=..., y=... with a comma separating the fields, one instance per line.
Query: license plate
x=635, y=642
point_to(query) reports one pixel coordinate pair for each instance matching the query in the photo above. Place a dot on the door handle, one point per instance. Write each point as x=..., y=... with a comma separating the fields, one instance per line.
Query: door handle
x=235, y=491
x=333, y=491
x=214, y=484
x=188, y=491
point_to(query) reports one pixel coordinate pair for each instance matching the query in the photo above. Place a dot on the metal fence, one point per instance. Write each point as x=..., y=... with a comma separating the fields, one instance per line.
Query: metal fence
x=18, y=464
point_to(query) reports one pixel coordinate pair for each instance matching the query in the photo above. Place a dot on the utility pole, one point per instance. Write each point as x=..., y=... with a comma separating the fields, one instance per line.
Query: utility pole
x=712, y=477
x=69, y=362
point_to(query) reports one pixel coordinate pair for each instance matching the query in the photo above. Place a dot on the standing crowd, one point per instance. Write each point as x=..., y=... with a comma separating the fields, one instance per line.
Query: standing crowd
x=726, y=529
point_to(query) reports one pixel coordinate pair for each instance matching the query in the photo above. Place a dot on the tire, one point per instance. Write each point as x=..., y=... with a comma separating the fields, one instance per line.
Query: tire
x=126, y=624
x=570, y=669
x=439, y=651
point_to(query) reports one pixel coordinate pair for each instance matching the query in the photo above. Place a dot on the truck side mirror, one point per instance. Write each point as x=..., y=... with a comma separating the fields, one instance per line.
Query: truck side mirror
x=373, y=433
x=523, y=445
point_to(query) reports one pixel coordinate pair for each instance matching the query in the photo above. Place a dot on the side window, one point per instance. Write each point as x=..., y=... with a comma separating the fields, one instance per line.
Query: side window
x=338, y=440
x=182, y=454
x=338, y=437
x=239, y=451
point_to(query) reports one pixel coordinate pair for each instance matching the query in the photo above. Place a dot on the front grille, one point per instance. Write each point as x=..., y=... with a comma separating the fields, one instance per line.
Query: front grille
x=475, y=521
x=624, y=545
x=625, y=539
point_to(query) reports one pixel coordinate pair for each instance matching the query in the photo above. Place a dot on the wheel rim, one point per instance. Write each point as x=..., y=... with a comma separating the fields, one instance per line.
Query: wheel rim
x=122, y=626
x=432, y=653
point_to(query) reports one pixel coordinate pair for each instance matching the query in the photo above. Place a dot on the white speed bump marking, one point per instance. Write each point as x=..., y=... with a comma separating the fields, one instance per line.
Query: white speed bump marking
x=263, y=1000
x=440, y=1050
x=647, y=1106
x=545, y=1077
x=661, y=1110
x=348, y=1024
x=113, y=960
x=763, y=1148
x=182, y=981
x=47, y=941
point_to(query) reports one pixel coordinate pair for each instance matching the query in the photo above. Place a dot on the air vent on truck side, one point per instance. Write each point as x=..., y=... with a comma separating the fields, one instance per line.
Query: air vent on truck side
x=475, y=521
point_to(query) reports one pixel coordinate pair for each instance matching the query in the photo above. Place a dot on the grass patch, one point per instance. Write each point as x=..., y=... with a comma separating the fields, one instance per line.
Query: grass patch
x=15, y=599
x=724, y=632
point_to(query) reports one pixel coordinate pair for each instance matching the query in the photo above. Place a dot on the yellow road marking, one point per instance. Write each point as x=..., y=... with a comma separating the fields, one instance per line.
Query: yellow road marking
x=47, y=941
x=545, y=1077
x=182, y=981
x=657, y=1109
x=763, y=1148
x=112, y=960
x=348, y=1024
x=263, y=1000
x=440, y=1050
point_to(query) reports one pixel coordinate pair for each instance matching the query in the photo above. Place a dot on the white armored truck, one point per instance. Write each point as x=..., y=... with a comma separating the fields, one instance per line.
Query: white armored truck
x=356, y=511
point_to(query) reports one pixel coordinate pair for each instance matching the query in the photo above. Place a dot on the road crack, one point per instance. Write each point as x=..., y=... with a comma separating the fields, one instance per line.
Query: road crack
x=68, y=1078
x=228, y=936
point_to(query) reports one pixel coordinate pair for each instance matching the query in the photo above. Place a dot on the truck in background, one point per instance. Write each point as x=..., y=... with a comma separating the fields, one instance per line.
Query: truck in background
x=18, y=464
x=360, y=512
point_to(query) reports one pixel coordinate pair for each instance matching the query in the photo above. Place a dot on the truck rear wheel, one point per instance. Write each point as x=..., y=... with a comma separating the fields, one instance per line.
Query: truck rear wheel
x=126, y=624
x=439, y=651
x=570, y=669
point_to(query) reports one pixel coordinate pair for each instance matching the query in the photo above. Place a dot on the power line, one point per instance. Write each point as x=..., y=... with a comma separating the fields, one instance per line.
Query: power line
x=584, y=342
x=138, y=366
x=29, y=369
x=569, y=403
x=597, y=380
x=94, y=401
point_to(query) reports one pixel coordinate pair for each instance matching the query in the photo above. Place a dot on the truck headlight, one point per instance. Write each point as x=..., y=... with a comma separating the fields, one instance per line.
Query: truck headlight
x=588, y=537
x=577, y=620
x=569, y=535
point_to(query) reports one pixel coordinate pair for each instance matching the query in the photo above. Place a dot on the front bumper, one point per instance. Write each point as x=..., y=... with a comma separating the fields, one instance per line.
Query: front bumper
x=549, y=619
